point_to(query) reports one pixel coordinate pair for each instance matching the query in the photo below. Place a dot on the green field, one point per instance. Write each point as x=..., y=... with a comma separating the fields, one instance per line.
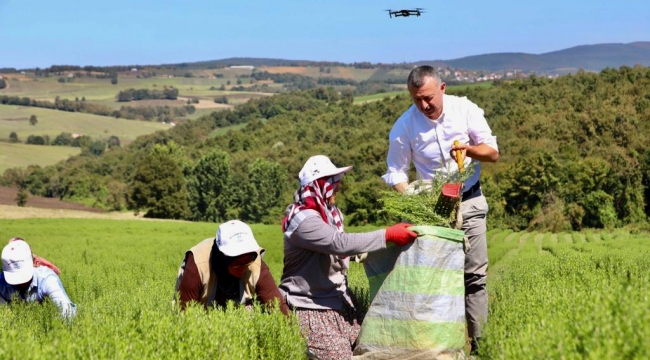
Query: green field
x=53, y=122
x=568, y=296
x=121, y=275
x=101, y=91
x=552, y=296
x=375, y=97
x=22, y=155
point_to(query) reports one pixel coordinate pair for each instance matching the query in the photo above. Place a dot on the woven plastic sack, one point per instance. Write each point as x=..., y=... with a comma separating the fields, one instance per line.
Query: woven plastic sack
x=417, y=295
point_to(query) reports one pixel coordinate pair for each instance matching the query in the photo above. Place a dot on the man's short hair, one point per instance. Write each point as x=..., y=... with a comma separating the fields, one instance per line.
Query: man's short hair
x=418, y=76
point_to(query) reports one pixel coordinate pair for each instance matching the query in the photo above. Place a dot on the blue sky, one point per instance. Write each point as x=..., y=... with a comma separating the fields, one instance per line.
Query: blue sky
x=120, y=32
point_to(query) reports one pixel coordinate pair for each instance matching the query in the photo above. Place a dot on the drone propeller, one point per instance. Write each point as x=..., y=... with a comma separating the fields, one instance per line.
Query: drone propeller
x=419, y=9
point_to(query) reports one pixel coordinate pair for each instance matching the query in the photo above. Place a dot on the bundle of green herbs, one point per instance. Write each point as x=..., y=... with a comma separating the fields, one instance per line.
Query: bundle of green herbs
x=423, y=203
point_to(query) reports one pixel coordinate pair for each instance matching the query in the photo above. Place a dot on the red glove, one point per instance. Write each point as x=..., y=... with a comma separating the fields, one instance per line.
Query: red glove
x=400, y=235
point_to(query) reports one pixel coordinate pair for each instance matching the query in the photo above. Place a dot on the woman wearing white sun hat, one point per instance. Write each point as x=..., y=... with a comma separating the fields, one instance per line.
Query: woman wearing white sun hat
x=316, y=257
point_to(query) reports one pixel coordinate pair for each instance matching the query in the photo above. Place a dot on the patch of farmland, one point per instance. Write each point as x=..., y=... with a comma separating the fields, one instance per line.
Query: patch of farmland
x=54, y=122
x=23, y=155
x=301, y=70
x=587, y=300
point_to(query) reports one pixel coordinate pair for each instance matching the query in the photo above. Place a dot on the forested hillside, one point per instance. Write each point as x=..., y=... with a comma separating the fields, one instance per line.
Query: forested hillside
x=574, y=155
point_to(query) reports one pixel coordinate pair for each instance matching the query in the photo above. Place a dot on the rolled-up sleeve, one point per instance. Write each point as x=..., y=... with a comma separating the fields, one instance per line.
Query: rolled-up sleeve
x=399, y=155
x=478, y=128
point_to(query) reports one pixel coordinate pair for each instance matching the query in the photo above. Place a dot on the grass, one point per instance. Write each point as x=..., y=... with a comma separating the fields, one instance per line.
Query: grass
x=121, y=275
x=568, y=299
x=53, y=122
x=562, y=300
x=22, y=155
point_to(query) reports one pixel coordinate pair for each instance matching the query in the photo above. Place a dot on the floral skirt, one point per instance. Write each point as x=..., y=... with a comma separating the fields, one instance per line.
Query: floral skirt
x=330, y=334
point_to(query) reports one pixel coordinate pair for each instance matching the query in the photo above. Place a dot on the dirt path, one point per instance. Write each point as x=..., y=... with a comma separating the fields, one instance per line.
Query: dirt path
x=17, y=212
x=42, y=207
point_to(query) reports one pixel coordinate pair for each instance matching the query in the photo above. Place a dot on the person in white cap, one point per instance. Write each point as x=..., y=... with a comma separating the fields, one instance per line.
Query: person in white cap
x=228, y=267
x=20, y=280
x=316, y=256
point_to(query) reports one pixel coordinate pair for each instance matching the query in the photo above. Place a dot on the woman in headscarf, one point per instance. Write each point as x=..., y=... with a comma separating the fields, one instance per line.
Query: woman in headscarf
x=316, y=257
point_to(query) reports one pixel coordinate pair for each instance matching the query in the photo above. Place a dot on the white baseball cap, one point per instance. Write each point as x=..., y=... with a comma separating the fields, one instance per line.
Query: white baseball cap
x=17, y=263
x=319, y=166
x=235, y=238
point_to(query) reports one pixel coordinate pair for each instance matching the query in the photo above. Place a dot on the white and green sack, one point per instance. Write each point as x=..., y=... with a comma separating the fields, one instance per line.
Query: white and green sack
x=417, y=295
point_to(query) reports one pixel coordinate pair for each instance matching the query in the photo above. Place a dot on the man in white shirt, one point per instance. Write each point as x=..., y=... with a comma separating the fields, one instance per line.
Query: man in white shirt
x=424, y=135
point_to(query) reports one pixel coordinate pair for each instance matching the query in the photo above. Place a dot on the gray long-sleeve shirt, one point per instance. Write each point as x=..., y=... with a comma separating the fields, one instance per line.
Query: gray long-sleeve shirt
x=316, y=257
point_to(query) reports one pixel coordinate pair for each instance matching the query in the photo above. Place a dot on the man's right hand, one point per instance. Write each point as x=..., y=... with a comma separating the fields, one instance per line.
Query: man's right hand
x=401, y=187
x=400, y=234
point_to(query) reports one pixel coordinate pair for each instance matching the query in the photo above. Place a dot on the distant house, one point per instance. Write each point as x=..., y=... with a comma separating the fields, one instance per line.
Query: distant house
x=134, y=70
x=246, y=67
x=75, y=135
x=70, y=75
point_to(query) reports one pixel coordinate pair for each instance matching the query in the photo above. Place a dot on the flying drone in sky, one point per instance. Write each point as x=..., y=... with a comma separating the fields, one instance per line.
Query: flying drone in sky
x=405, y=12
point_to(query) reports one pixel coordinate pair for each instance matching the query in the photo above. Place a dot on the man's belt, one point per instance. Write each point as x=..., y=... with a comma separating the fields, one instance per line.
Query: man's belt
x=472, y=192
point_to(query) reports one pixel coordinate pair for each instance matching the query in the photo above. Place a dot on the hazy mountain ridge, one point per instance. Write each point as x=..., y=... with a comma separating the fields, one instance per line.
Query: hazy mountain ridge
x=588, y=57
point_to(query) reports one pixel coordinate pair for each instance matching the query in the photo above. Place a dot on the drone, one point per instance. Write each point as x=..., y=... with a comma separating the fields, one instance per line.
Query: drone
x=405, y=12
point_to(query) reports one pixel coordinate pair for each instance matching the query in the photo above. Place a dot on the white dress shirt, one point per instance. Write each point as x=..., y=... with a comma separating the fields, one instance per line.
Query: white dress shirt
x=427, y=143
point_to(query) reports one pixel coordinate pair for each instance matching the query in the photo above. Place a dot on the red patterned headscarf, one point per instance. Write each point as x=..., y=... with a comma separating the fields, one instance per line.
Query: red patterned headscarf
x=314, y=196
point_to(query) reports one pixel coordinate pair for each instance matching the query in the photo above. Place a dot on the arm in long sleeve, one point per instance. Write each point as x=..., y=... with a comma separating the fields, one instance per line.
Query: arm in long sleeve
x=483, y=145
x=315, y=235
x=398, y=158
x=267, y=291
x=53, y=288
x=190, y=287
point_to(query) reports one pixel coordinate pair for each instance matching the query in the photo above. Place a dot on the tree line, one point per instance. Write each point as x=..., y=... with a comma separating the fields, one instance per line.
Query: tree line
x=573, y=155
x=168, y=93
x=148, y=113
x=302, y=82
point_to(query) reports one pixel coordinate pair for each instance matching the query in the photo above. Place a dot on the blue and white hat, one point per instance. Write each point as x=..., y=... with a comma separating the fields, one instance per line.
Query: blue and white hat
x=17, y=262
x=235, y=238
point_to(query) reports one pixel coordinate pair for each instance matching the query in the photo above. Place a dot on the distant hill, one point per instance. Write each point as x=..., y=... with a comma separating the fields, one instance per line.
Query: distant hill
x=211, y=64
x=587, y=57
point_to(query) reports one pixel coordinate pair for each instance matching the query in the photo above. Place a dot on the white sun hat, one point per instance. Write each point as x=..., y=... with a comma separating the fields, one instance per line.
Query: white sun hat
x=235, y=238
x=319, y=166
x=17, y=263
